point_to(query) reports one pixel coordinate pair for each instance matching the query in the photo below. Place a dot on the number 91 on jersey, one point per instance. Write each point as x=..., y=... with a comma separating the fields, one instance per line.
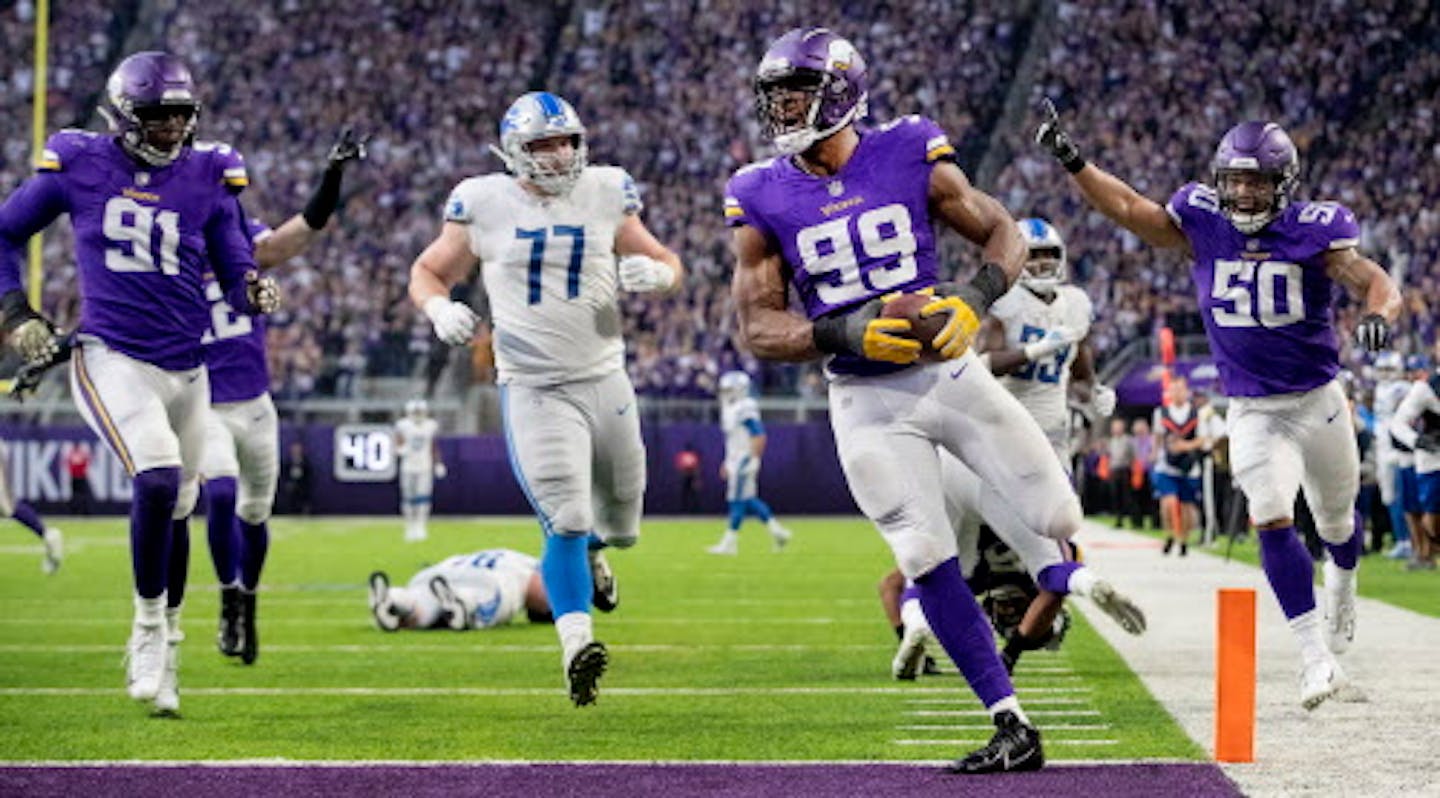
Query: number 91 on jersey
x=364, y=453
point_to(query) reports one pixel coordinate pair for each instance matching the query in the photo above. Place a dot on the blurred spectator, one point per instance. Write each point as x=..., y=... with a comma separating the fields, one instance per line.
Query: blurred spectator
x=687, y=465
x=77, y=465
x=296, y=480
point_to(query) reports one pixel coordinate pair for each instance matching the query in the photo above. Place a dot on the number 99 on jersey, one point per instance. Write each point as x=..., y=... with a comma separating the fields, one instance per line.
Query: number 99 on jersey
x=364, y=453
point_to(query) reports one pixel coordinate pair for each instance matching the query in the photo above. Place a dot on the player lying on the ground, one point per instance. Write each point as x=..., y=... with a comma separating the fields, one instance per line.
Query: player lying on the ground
x=480, y=590
x=1024, y=616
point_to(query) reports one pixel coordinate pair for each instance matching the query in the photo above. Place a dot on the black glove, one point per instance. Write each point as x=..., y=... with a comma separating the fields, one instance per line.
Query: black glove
x=348, y=147
x=27, y=377
x=1372, y=333
x=1053, y=137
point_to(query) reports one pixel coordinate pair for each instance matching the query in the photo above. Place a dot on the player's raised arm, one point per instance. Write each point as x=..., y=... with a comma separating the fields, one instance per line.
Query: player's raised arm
x=645, y=263
x=291, y=238
x=1107, y=193
x=444, y=263
x=1368, y=282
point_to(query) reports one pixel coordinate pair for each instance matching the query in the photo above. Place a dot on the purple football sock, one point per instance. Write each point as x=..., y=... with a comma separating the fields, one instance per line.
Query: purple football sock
x=1056, y=578
x=26, y=515
x=1347, y=555
x=221, y=530
x=1288, y=567
x=153, y=503
x=957, y=622
x=255, y=540
x=179, y=562
x=910, y=592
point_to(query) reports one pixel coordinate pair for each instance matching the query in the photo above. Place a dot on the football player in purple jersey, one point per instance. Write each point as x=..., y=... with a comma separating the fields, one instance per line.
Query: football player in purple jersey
x=242, y=447
x=1264, y=268
x=848, y=217
x=150, y=207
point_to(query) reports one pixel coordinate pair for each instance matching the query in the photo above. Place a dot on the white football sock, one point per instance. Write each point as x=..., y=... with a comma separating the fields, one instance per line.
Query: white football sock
x=151, y=611
x=1082, y=582
x=1308, y=632
x=912, y=615
x=172, y=622
x=576, y=629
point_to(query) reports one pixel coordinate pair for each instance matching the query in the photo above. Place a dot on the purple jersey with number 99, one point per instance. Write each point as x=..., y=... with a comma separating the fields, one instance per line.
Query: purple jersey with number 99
x=849, y=237
x=1265, y=297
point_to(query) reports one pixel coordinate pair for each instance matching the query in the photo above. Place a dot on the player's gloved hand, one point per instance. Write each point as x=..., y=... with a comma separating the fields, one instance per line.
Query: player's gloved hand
x=1053, y=342
x=862, y=332
x=440, y=471
x=31, y=335
x=644, y=273
x=1103, y=398
x=1428, y=441
x=454, y=322
x=350, y=146
x=1053, y=137
x=955, y=337
x=263, y=293
x=1372, y=333
x=27, y=377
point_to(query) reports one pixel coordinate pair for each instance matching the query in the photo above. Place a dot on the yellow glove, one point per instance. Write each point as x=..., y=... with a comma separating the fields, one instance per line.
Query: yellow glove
x=883, y=341
x=955, y=337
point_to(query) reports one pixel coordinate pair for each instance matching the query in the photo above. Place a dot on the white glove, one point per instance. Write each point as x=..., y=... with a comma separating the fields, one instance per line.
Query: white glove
x=1053, y=342
x=1103, y=400
x=644, y=273
x=263, y=293
x=35, y=340
x=454, y=322
x=440, y=471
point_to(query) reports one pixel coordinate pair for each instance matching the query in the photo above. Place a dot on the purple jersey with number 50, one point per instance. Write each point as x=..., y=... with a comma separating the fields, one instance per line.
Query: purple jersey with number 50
x=143, y=238
x=235, y=342
x=1265, y=297
x=849, y=237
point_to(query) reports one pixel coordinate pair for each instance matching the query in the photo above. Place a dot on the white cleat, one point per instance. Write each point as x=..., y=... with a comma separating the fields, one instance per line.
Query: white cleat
x=1339, y=609
x=1118, y=606
x=145, y=661
x=54, y=550
x=452, y=609
x=910, y=657
x=1321, y=680
x=167, y=698
x=728, y=550
x=780, y=537
x=382, y=609
x=606, y=594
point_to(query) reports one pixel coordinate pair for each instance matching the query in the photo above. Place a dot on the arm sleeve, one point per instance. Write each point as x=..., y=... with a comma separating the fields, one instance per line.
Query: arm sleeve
x=630, y=202
x=228, y=245
x=37, y=203
x=754, y=427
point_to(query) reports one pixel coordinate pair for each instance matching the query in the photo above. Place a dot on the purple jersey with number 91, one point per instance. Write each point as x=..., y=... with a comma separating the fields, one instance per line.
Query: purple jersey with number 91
x=143, y=237
x=235, y=342
x=850, y=237
x=1265, y=297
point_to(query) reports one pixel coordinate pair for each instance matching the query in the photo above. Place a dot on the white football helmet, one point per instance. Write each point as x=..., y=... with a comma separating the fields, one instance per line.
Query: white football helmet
x=734, y=386
x=1389, y=365
x=417, y=408
x=535, y=116
x=1045, y=264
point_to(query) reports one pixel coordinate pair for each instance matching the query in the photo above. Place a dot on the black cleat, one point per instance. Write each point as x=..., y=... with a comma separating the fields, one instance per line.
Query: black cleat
x=1014, y=748
x=584, y=672
x=228, y=638
x=607, y=591
x=1169, y=544
x=931, y=667
x=249, y=638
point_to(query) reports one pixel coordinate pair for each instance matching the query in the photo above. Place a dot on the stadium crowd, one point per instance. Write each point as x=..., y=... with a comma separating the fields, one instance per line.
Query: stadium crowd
x=663, y=87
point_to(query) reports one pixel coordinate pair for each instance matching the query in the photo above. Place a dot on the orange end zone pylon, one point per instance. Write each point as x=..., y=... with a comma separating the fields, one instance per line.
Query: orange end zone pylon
x=1235, y=676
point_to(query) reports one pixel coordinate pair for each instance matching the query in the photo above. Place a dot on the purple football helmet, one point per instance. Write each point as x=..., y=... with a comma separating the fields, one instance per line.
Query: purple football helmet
x=810, y=84
x=1251, y=149
x=143, y=92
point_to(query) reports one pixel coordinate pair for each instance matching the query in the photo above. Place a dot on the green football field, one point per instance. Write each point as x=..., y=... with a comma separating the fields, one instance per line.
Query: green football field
x=759, y=657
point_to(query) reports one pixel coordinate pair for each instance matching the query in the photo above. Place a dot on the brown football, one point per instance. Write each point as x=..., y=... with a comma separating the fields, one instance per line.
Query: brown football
x=924, y=330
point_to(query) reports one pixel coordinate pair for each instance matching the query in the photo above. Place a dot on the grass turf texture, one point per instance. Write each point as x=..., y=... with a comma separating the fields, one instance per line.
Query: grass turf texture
x=1380, y=578
x=714, y=641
